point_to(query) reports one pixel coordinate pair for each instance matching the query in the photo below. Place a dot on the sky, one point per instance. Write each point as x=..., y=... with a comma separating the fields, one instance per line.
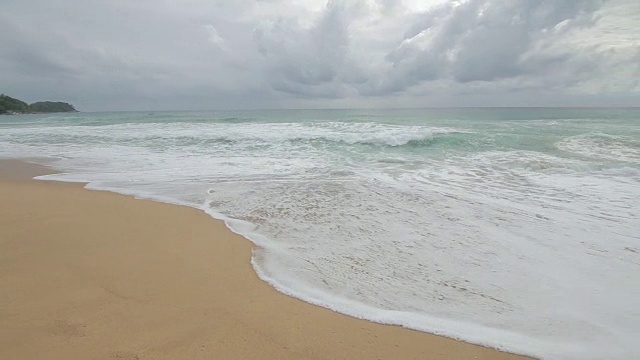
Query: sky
x=263, y=54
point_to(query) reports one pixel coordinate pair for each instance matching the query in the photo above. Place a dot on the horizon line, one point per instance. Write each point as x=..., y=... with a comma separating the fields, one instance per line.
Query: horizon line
x=374, y=108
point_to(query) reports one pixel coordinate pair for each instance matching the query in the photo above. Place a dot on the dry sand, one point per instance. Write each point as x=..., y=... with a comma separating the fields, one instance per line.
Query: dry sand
x=95, y=275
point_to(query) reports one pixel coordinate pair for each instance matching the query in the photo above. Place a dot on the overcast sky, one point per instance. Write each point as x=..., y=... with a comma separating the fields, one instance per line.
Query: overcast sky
x=248, y=54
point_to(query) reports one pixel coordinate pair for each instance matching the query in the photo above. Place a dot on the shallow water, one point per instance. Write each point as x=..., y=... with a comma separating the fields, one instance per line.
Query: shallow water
x=513, y=228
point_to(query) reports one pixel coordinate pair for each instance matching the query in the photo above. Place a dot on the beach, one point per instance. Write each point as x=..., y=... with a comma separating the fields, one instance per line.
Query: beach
x=96, y=275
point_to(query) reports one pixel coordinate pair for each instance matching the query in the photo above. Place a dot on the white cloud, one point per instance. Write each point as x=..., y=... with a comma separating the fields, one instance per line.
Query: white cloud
x=214, y=37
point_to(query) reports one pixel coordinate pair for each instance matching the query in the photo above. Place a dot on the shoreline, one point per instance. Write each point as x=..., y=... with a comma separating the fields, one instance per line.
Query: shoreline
x=104, y=275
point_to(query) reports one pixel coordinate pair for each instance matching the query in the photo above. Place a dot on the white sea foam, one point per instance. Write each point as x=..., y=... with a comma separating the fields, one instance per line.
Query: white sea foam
x=476, y=236
x=603, y=146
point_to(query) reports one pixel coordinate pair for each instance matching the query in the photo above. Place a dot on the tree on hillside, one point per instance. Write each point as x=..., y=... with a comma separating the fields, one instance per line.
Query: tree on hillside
x=9, y=104
x=51, y=106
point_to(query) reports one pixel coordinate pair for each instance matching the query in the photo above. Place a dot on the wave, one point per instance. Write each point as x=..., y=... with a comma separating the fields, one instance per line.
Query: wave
x=235, y=120
x=391, y=141
x=428, y=138
x=602, y=146
x=231, y=131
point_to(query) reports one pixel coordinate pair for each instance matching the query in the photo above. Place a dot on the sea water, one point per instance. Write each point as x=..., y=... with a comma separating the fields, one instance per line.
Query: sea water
x=513, y=228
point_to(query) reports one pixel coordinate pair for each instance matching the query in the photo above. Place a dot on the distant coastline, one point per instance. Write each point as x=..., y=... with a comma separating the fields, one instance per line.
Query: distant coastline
x=13, y=106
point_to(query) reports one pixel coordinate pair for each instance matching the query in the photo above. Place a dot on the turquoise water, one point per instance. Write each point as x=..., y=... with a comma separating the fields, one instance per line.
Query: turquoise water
x=515, y=228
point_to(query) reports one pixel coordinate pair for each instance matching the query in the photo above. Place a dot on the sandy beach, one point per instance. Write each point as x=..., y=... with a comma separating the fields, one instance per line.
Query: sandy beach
x=96, y=275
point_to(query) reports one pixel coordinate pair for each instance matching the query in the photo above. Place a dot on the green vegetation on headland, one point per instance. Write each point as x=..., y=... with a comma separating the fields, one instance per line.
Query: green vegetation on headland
x=9, y=105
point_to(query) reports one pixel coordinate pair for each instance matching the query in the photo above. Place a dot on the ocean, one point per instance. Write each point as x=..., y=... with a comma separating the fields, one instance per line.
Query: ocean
x=515, y=228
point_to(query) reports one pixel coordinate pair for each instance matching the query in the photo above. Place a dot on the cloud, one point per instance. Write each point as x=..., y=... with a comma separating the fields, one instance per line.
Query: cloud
x=307, y=59
x=288, y=53
x=214, y=37
x=536, y=42
x=484, y=41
